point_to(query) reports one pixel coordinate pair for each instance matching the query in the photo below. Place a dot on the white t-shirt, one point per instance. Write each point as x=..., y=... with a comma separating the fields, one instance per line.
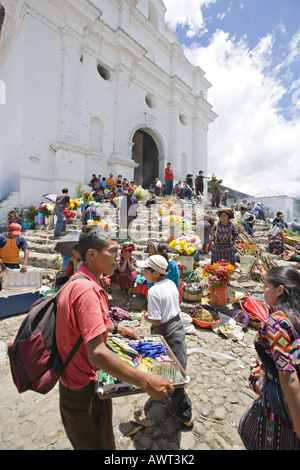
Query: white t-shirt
x=163, y=301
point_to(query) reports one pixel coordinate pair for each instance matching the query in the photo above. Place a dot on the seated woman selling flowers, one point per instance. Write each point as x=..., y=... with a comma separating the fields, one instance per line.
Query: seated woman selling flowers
x=224, y=234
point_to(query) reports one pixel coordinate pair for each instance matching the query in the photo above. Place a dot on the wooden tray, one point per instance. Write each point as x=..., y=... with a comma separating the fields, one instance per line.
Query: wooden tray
x=137, y=390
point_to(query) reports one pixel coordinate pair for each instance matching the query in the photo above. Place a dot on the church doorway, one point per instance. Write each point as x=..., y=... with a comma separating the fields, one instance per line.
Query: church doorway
x=145, y=153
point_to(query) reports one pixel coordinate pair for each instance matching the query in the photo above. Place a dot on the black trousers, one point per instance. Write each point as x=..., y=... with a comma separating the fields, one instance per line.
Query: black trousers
x=173, y=333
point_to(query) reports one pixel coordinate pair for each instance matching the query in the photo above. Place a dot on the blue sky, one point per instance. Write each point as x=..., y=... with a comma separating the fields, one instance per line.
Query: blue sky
x=250, y=52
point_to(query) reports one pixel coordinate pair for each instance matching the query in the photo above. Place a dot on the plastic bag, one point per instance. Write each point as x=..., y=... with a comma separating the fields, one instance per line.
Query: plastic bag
x=229, y=328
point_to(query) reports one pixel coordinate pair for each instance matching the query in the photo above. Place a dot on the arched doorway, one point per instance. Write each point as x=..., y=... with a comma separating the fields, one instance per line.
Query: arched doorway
x=145, y=153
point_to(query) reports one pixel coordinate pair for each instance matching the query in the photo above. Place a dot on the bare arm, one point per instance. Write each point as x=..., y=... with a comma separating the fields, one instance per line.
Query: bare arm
x=291, y=388
x=104, y=359
x=24, y=264
x=153, y=322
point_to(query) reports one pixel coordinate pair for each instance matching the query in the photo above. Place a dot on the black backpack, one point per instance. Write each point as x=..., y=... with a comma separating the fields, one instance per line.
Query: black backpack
x=34, y=358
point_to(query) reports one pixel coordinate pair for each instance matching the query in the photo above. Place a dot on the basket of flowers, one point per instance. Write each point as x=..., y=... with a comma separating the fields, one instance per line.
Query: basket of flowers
x=186, y=247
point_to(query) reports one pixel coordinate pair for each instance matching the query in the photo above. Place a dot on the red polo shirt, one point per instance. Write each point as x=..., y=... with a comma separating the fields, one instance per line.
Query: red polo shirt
x=168, y=174
x=83, y=308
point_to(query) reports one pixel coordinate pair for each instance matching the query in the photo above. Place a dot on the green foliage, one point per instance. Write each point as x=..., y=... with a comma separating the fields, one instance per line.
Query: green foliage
x=30, y=213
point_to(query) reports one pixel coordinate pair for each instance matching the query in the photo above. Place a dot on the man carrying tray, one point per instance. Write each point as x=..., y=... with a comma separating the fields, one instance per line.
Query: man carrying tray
x=83, y=309
x=163, y=314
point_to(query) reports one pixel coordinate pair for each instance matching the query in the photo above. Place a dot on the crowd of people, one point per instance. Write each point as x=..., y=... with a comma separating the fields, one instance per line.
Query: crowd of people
x=273, y=420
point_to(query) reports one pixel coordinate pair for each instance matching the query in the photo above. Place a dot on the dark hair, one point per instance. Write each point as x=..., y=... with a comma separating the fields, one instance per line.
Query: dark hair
x=163, y=250
x=64, y=190
x=289, y=278
x=94, y=237
x=279, y=213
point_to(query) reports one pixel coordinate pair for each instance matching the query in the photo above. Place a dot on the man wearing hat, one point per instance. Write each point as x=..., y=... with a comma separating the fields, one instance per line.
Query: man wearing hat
x=215, y=189
x=11, y=243
x=164, y=316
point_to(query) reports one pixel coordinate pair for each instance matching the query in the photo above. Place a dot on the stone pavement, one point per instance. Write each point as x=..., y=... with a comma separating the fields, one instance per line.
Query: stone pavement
x=218, y=390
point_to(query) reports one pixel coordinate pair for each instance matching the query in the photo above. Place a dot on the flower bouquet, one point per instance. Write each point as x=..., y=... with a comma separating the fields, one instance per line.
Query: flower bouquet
x=98, y=223
x=67, y=213
x=218, y=274
x=248, y=249
x=186, y=245
x=257, y=272
x=74, y=204
x=43, y=208
x=87, y=197
x=141, y=194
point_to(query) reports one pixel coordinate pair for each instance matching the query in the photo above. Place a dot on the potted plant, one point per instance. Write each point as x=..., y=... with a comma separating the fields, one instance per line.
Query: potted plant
x=29, y=214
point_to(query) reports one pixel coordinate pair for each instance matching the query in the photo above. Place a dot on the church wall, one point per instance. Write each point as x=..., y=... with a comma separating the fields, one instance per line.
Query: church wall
x=70, y=122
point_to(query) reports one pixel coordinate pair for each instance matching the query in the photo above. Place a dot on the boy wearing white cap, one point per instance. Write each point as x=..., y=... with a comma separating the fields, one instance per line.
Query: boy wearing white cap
x=163, y=314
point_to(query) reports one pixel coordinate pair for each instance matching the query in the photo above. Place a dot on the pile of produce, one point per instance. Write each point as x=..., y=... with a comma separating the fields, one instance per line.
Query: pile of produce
x=203, y=313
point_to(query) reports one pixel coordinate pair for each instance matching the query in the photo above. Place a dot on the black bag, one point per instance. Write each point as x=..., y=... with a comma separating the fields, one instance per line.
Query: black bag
x=34, y=358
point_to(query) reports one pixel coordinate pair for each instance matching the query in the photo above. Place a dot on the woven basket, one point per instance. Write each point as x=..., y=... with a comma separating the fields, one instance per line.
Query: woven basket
x=191, y=295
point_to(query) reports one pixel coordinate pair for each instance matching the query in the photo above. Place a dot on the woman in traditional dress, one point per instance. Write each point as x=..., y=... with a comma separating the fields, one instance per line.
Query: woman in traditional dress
x=224, y=234
x=273, y=420
x=125, y=274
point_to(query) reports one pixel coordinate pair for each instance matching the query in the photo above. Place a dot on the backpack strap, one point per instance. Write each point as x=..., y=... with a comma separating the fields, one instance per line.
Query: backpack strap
x=79, y=339
x=73, y=351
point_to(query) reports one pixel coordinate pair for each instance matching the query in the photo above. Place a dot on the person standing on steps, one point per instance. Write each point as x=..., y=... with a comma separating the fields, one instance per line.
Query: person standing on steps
x=169, y=179
x=62, y=202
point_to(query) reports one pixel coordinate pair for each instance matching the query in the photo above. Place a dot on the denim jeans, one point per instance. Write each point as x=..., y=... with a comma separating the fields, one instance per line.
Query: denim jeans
x=169, y=187
x=60, y=223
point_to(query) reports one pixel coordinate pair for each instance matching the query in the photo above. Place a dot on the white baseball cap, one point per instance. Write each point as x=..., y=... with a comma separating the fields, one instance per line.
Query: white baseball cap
x=155, y=262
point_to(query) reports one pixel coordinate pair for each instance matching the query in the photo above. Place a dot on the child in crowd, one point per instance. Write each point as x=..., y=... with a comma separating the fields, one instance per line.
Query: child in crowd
x=125, y=274
x=74, y=262
x=173, y=272
x=164, y=316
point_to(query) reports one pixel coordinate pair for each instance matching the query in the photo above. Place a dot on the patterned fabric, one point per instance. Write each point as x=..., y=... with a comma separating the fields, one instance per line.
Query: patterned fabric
x=267, y=425
x=225, y=234
x=277, y=336
x=224, y=237
x=132, y=260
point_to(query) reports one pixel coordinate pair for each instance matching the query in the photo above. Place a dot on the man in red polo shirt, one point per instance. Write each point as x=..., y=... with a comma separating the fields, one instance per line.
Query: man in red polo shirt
x=169, y=179
x=83, y=309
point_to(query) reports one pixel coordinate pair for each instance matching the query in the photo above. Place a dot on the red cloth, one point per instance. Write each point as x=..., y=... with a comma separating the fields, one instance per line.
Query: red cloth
x=83, y=308
x=168, y=174
x=125, y=279
x=142, y=289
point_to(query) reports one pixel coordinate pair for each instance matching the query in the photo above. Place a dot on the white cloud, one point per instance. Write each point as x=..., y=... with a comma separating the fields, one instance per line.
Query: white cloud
x=187, y=13
x=250, y=146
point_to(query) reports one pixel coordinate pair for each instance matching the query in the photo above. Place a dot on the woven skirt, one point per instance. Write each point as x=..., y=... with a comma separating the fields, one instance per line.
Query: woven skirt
x=220, y=252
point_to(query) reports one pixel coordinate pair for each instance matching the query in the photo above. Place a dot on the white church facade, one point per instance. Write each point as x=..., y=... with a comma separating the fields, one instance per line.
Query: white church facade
x=96, y=86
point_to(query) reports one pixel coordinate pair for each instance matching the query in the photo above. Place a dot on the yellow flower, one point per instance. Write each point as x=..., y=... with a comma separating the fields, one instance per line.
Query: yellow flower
x=173, y=244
